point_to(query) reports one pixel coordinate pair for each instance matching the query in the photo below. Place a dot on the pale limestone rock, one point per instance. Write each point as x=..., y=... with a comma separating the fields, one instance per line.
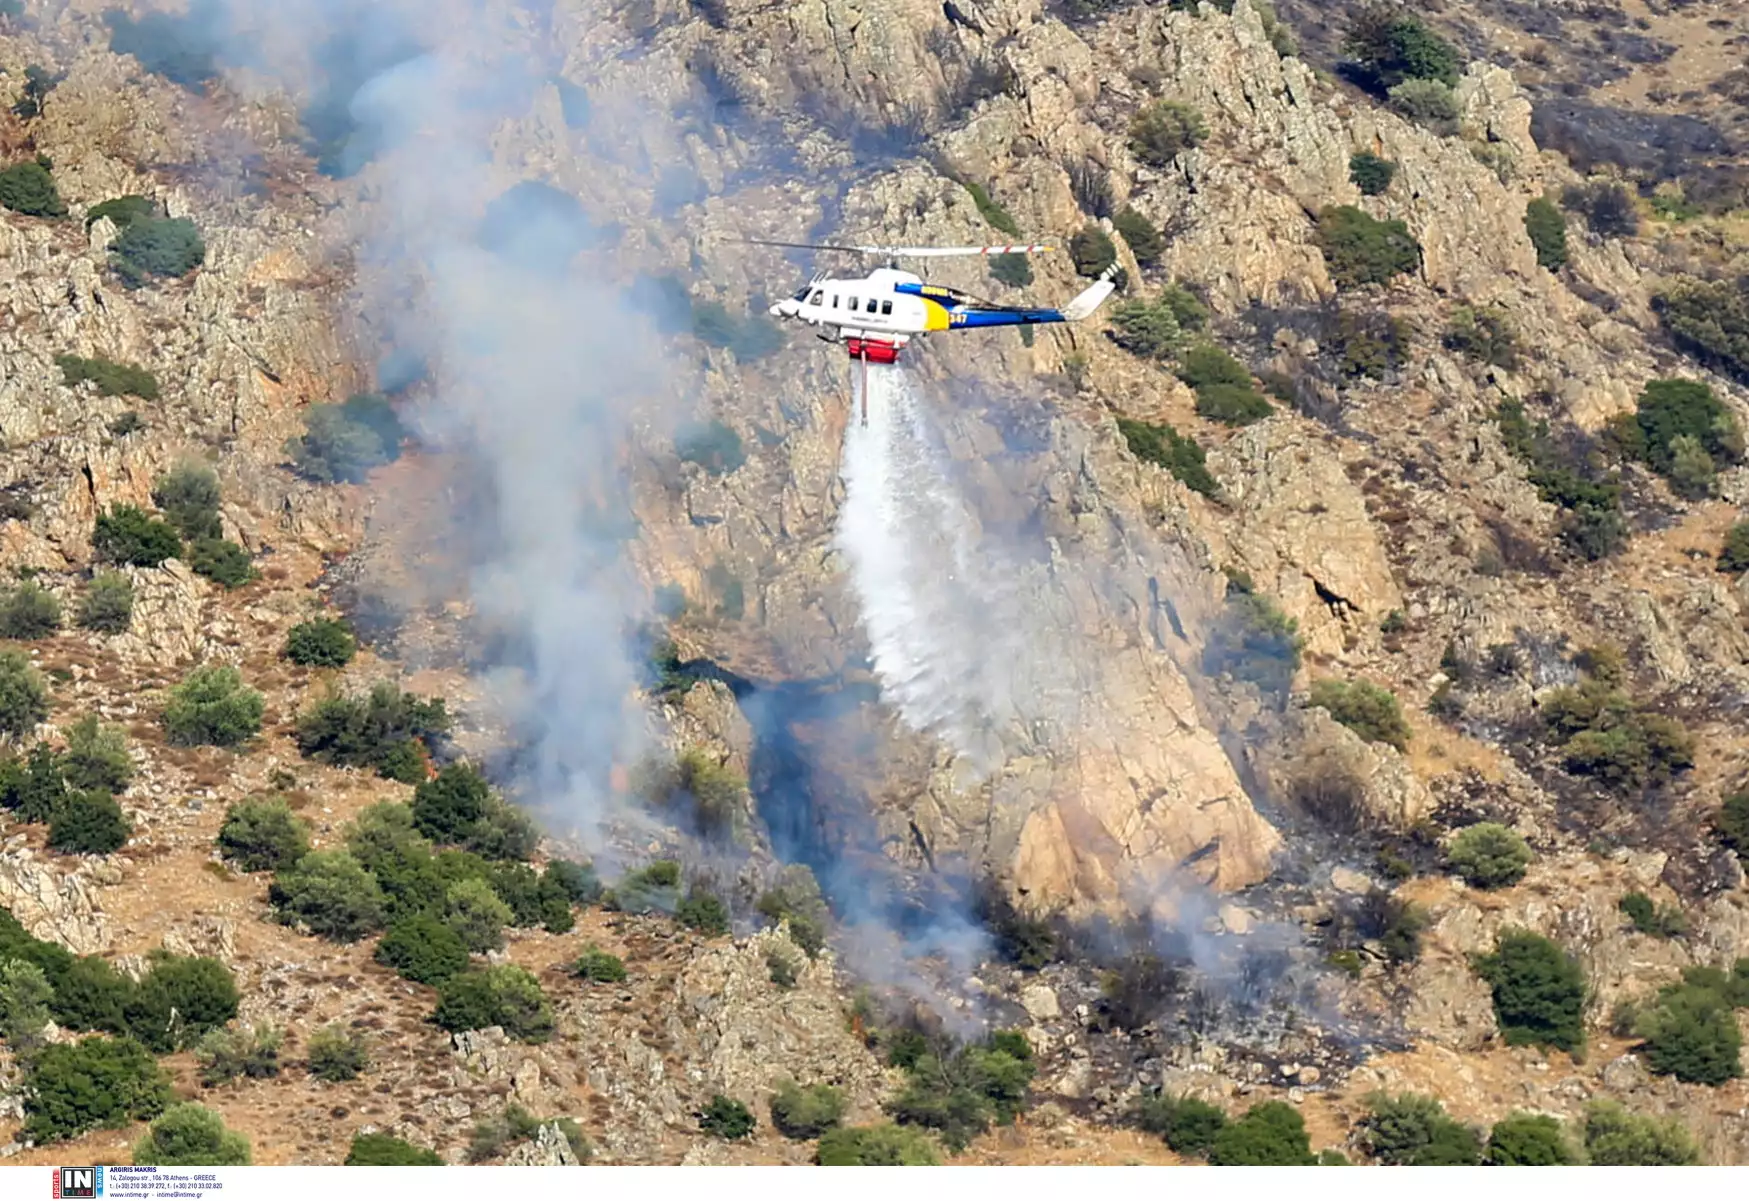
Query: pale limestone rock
x=1040, y=1002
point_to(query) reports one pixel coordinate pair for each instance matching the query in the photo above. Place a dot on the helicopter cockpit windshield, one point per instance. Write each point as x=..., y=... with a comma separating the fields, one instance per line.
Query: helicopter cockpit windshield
x=803, y=294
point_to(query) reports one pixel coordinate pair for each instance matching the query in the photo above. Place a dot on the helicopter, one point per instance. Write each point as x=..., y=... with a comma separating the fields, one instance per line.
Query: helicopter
x=876, y=317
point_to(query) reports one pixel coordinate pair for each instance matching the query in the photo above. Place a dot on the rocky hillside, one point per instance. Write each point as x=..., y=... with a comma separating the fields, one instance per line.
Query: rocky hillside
x=1337, y=642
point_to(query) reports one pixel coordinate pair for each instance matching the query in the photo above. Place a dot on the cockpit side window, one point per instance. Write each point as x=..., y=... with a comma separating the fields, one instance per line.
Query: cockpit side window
x=816, y=297
x=871, y=304
x=886, y=308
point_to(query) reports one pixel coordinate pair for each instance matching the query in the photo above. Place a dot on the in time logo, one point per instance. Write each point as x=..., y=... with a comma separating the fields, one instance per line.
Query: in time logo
x=79, y=1184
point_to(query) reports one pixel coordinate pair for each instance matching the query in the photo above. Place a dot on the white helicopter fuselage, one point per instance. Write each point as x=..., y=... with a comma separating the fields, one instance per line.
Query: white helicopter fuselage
x=870, y=309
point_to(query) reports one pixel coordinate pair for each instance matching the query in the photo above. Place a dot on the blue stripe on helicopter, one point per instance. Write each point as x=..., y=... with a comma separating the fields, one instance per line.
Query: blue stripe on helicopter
x=961, y=316
x=974, y=318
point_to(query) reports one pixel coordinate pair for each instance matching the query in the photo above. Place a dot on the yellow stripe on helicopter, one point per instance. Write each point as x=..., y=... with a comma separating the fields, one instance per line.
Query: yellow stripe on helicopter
x=935, y=315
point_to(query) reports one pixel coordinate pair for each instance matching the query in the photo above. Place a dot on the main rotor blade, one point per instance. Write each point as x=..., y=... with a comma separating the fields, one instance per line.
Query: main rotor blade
x=803, y=245
x=931, y=252
x=908, y=252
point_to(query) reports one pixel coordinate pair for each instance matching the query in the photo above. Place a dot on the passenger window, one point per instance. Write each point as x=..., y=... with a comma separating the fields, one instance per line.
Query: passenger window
x=834, y=300
x=886, y=308
x=871, y=304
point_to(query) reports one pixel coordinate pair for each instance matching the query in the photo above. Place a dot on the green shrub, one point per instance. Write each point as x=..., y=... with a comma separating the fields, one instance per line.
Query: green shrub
x=191, y=1136
x=961, y=1094
x=423, y=948
x=330, y=894
x=1489, y=855
x=1370, y=173
x=123, y=211
x=1253, y=641
x=96, y=758
x=1166, y=447
x=35, y=791
x=1426, y=102
x=336, y=1054
x=1165, y=129
x=112, y=379
x=1188, y=1125
x=1548, y=233
x=1206, y=365
x=1604, y=735
x=1092, y=250
x=89, y=823
x=1539, y=991
x=153, y=247
x=655, y=888
x=321, y=642
x=1528, y=1140
x=127, y=534
x=25, y=994
x=24, y=697
x=29, y=611
x=343, y=443
x=1270, y=1134
x=211, y=707
x=91, y=995
x=576, y=881
x=795, y=898
x=1360, y=250
x=1415, y=1130
x=380, y=1150
x=458, y=807
x=384, y=732
x=885, y=1145
x=28, y=188
x=717, y=791
x=502, y=995
x=726, y=1118
x=221, y=561
x=226, y=1054
x=993, y=213
x=476, y=914
x=1593, y=523
x=1672, y=409
x=1734, y=554
x=1147, y=328
x=804, y=1113
x=1692, y=473
x=263, y=836
x=1731, y=823
x=189, y=498
x=1484, y=335
x=1691, y=1033
x=97, y=1083
x=599, y=967
x=1389, y=46
x=180, y=998
x=1709, y=321
x=1660, y=921
x=533, y=899
x=1368, y=710
x=1014, y=270
x=1616, y=1138
x=704, y=912
x=1371, y=344
x=712, y=445
x=108, y=604
x=1141, y=235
